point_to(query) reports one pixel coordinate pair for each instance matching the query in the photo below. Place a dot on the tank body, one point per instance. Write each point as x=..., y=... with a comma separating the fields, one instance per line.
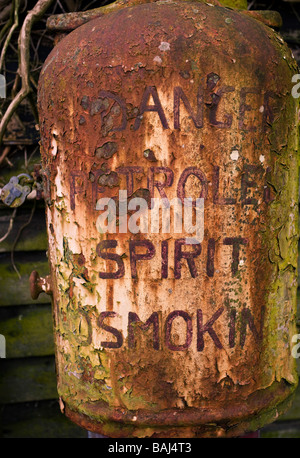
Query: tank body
x=163, y=334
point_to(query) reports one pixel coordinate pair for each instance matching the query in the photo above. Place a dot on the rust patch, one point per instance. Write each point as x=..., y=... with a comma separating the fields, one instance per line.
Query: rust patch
x=132, y=308
x=107, y=150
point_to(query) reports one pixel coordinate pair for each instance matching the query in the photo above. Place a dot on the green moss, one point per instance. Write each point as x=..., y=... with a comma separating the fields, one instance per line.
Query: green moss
x=239, y=4
x=67, y=252
x=90, y=286
x=30, y=333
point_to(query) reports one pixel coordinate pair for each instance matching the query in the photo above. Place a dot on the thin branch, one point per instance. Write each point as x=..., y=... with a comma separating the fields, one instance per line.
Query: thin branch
x=23, y=45
x=25, y=7
x=295, y=13
x=10, y=226
x=9, y=162
x=13, y=48
x=16, y=5
x=42, y=35
x=15, y=86
x=33, y=105
x=34, y=84
x=61, y=7
x=5, y=152
x=18, y=237
x=5, y=12
x=7, y=24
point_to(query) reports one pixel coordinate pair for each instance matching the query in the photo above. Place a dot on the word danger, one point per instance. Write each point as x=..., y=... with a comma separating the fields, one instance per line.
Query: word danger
x=201, y=107
x=193, y=326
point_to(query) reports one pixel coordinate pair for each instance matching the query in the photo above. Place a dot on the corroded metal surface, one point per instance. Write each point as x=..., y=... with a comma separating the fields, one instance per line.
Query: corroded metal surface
x=39, y=284
x=70, y=21
x=153, y=337
x=270, y=18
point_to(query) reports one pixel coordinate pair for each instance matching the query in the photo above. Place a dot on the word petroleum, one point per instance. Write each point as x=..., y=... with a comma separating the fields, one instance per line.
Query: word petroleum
x=123, y=217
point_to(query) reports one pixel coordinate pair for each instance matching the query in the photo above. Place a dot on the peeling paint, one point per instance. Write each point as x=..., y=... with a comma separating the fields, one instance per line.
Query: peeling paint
x=130, y=309
x=157, y=60
x=234, y=155
x=164, y=46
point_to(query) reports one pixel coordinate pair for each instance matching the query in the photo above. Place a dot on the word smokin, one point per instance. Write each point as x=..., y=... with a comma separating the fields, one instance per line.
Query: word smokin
x=202, y=328
x=180, y=254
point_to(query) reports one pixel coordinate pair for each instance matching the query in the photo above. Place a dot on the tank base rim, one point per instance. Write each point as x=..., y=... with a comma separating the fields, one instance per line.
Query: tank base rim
x=262, y=409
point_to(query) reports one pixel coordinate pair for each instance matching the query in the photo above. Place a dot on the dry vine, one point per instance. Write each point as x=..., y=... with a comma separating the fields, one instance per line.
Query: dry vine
x=10, y=13
x=23, y=46
x=19, y=39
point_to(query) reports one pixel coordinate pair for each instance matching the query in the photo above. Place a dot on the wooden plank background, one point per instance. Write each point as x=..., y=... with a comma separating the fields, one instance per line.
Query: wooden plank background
x=28, y=396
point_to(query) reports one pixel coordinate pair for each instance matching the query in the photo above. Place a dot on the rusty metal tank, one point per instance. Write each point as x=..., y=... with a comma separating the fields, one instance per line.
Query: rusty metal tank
x=157, y=336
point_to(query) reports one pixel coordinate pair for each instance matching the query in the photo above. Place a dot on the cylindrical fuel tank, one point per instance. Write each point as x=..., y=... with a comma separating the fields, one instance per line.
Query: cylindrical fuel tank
x=160, y=331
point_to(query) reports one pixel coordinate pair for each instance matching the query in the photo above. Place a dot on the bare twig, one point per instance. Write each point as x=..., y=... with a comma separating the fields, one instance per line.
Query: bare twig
x=33, y=104
x=5, y=152
x=23, y=45
x=18, y=236
x=10, y=226
x=61, y=7
x=7, y=24
x=295, y=12
x=5, y=12
x=9, y=162
x=32, y=155
x=34, y=84
x=15, y=86
x=25, y=6
x=16, y=5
